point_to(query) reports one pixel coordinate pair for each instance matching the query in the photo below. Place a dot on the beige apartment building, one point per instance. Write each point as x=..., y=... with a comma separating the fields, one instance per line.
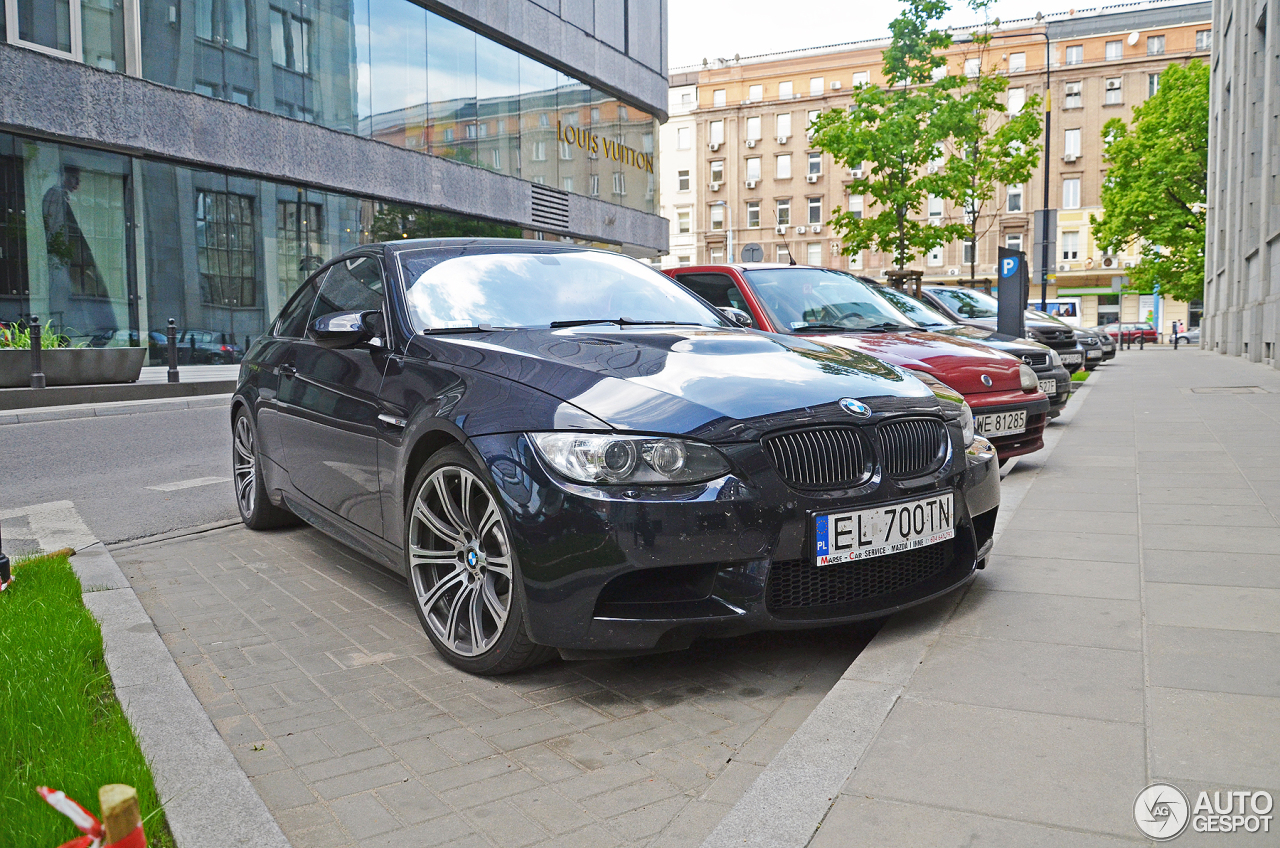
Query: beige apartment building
x=760, y=182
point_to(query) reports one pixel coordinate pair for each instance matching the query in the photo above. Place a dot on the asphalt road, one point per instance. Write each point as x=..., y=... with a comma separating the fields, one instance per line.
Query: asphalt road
x=106, y=466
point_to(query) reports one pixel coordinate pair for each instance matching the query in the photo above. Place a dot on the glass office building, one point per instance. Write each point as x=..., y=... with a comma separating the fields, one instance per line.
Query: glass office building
x=110, y=235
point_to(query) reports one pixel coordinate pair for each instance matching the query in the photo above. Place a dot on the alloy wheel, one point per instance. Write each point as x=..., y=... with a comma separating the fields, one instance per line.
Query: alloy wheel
x=244, y=469
x=460, y=561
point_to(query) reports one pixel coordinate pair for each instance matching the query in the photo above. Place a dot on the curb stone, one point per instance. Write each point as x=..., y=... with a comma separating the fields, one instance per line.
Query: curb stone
x=102, y=410
x=208, y=799
x=787, y=803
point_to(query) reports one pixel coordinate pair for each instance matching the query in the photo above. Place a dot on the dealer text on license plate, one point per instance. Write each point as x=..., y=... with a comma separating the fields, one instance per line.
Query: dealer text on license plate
x=1000, y=423
x=1049, y=387
x=881, y=530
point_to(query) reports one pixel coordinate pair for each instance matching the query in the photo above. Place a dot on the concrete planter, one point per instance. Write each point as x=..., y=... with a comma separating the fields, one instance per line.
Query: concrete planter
x=73, y=366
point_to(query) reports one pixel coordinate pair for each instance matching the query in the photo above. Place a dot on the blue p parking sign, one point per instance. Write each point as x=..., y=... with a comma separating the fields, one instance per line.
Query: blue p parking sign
x=1008, y=267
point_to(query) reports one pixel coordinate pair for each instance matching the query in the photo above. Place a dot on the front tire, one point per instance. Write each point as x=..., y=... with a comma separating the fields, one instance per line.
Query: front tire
x=463, y=571
x=256, y=510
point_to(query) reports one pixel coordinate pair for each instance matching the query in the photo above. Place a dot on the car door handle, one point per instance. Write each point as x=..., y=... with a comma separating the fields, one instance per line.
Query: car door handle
x=287, y=371
x=392, y=421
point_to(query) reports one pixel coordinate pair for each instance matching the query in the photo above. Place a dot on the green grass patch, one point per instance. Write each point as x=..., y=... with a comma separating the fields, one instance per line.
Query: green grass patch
x=60, y=723
x=1080, y=376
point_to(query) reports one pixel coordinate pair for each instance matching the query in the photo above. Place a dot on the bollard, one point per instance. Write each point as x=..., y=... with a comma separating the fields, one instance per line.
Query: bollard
x=1142, y=339
x=5, y=574
x=37, y=372
x=172, y=333
x=120, y=816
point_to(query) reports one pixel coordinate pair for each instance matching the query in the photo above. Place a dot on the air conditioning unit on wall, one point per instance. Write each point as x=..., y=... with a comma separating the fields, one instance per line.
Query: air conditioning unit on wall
x=815, y=229
x=715, y=186
x=751, y=183
x=751, y=142
x=782, y=139
x=714, y=146
x=800, y=231
x=811, y=178
x=780, y=230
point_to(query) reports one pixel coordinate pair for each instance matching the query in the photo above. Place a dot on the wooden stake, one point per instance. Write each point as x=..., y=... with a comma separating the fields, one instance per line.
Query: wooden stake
x=120, y=816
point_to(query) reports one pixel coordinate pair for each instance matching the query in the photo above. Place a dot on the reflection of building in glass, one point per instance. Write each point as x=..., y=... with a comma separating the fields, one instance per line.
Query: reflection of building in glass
x=234, y=197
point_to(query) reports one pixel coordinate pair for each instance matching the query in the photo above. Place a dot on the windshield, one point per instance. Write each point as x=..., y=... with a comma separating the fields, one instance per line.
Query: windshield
x=1045, y=316
x=466, y=287
x=798, y=298
x=967, y=302
x=914, y=309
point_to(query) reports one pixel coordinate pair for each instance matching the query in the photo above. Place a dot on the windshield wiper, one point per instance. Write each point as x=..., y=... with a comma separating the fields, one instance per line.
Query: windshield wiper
x=445, y=331
x=621, y=322
x=839, y=327
x=889, y=326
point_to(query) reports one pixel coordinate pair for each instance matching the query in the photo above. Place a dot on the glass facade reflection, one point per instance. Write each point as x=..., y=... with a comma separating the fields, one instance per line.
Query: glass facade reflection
x=393, y=71
x=109, y=247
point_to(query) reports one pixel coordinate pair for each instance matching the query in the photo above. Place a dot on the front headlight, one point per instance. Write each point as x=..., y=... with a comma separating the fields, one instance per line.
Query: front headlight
x=966, y=424
x=617, y=459
x=1054, y=359
x=940, y=389
x=1030, y=382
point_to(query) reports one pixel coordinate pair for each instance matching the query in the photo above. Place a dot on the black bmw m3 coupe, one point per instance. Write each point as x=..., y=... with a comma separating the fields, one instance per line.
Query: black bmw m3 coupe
x=562, y=449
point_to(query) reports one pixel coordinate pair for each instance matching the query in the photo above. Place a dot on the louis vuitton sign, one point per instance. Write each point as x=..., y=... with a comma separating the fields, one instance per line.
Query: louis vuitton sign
x=598, y=145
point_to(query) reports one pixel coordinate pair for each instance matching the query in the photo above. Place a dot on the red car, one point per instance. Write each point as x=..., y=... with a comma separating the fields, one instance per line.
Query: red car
x=1127, y=333
x=1008, y=406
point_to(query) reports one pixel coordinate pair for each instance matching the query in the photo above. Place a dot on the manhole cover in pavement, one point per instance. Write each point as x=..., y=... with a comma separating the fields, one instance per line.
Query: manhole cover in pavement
x=1229, y=390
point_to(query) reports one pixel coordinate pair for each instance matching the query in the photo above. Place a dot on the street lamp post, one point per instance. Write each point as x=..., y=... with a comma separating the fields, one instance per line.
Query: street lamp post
x=729, y=223
x=1048, y=115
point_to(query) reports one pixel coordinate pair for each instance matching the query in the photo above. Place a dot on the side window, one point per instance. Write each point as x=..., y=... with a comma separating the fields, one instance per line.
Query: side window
x=716, y=289
x=292, y=323
x=354, y=285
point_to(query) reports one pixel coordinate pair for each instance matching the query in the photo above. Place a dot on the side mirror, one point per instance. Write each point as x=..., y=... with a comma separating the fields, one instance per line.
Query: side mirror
x=344, y=329
x=737, y=316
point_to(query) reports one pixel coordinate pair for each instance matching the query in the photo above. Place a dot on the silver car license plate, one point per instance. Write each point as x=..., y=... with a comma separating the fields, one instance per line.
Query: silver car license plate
x=881, y=530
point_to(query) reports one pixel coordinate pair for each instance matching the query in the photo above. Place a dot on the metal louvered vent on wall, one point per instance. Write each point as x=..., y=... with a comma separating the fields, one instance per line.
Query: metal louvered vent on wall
x=913, y=447
x=550, y=207
x=821, y=458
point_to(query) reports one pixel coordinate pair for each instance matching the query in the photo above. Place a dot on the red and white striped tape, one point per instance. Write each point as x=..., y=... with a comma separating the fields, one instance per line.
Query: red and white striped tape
x=88, y=824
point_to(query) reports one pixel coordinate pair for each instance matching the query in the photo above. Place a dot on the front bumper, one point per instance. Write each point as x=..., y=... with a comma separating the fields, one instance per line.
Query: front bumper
x=638, y=571
x=1062, y=387
x=1015, y=444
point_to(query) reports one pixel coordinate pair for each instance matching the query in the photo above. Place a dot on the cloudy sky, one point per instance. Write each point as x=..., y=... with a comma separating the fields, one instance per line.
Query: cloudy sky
x=705, y=29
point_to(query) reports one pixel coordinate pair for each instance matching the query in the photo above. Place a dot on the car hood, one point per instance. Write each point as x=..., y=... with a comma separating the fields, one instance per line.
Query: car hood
x=713, y=383
x=958, y=362
x=990, y=338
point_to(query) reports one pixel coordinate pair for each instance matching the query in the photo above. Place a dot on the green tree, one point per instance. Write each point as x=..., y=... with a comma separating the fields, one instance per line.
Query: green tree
x=892, y=135
x=991, y=147
x=1154, y=192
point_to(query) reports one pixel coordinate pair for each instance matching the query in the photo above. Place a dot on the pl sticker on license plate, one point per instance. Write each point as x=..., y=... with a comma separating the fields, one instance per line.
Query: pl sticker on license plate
x=881, y=530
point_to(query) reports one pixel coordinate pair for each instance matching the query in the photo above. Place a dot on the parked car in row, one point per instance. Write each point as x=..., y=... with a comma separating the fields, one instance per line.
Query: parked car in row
x=1054, y=379
x=838, y=308
x=1131, y=333
x=561, y=448
x=979, y=309
x=1191, y=336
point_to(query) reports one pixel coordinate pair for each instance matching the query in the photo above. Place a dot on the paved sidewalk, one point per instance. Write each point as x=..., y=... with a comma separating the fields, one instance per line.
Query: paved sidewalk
x=313, y=667
x=1127, y=631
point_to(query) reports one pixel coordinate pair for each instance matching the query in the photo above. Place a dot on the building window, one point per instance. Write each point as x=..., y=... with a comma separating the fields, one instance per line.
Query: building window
x=935, y=209
x=1017, y=62
x=755, y=93
x=1071, y=245
x=810, y=118
x=1016, y=100
x=753, y=169
x=855, y=261
x=815, y=210
x=715, y=132
x=1155, y=45
x=682, y=261
x=717, y=171
x=1115, y=51
x=753, y=128
x=1013, y=241
x=595, y=185
x=1153, y=84
x=497, y=159
x=815, y=161
x=966, y=253
x=717, y=217
x=813, y=253
x=1071, y=193
x=785, y=90
x=566, y=183
x=861, y=78
x=566, y=149
x=1071, y=143
x=782, y=166
x=783, y=255
x=595, y=111
x=684, y=222
x=783, y=125
x=753, y=214
x=783, y=211
x=1115, y=94
x=855, y=206
x=817, y=85
x=226, y=248
x=228, y=21
x=686, y=98
x=1073, y=99
x=619, y=183
x=290, y=41
x=1204, y=39
x=539, y=147
x=299, y=241
x=718, y=98
x=935, y=257
x=682, y=180
x=717, y=255
x=972, y=67
x=622, y=112
x=684, y=138
x=1075, y=54
x=1013, y=198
